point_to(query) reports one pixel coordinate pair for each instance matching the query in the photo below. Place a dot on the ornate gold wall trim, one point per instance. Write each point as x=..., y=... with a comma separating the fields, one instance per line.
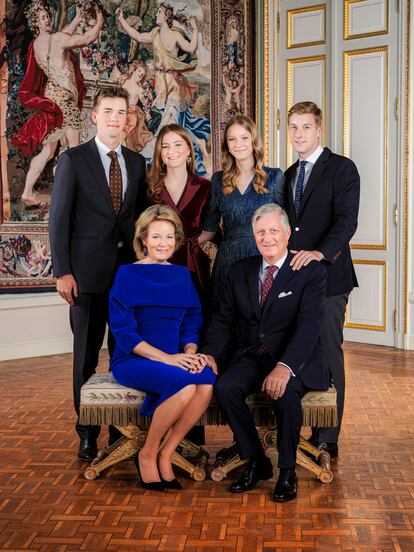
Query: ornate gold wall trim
x=407, y=141
x=346, y=137
x=266, y=115
x=372, y=327
x=291, y=13
x=289, y=98
x=348, y=35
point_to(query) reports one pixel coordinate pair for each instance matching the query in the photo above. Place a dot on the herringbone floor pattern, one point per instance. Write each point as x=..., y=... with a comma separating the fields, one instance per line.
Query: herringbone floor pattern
x=47, y=506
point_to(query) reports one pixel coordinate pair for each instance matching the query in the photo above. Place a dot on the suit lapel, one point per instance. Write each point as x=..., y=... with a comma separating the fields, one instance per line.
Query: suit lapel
x=167, y=199
x=189, y=192
x=94, y=163
x=283, y=276
x=315, y=176
x=253, y=283
x=130, y=186
x=191, y=188
x=290, y=182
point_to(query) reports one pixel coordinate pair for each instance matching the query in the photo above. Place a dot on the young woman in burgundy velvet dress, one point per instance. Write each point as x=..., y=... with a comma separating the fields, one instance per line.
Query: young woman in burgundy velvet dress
x=171, y=180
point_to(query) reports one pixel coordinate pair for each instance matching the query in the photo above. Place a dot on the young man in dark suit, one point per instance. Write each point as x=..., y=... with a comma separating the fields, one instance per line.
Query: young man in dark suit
x=280, y=314
x=322, y=203
x=99, y=191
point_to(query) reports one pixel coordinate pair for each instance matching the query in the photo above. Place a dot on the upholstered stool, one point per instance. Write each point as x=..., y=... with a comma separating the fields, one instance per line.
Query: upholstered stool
x=105, y=402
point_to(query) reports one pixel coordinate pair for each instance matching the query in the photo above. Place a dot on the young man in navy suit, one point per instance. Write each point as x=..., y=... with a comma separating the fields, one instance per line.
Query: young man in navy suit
x=322, y=203
x=280, y=312
x=99, y=191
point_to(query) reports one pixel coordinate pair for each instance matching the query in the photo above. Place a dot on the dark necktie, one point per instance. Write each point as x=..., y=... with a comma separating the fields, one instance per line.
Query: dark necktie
x=267, y=284
x=299, y=186
x=115, y=181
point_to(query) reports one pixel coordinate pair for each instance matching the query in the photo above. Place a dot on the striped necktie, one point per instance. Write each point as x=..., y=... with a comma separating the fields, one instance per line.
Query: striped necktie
x=299, y=186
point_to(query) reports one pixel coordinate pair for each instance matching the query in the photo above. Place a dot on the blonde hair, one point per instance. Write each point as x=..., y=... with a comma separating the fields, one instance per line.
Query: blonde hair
x=302, y=108
x=230, y=169
x=153, y=213
x=158, y=170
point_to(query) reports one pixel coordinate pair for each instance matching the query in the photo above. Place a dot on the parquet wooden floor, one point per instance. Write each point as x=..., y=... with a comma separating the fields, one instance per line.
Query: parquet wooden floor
x=47, y=506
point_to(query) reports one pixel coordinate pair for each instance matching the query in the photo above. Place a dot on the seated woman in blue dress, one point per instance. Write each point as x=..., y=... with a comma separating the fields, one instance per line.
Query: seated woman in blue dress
x=155, y=318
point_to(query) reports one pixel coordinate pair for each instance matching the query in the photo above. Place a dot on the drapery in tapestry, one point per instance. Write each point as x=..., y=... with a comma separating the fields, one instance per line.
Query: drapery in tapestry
x=47, y=96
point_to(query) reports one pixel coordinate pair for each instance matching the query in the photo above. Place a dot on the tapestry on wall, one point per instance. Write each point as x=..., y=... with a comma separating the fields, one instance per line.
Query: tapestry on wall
x=46, y=101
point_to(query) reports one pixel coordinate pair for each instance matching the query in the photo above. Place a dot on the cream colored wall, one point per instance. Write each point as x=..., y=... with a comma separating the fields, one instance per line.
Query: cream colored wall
x=33, y=325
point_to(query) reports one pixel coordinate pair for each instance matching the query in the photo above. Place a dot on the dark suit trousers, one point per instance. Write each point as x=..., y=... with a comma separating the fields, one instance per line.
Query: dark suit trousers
x=88, y=320
x=332, y=337
x=245, y=376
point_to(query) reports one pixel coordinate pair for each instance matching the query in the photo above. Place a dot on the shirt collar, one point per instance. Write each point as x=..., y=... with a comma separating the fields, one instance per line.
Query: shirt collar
x=314, y=156
x=104, y=150
x=279, y=263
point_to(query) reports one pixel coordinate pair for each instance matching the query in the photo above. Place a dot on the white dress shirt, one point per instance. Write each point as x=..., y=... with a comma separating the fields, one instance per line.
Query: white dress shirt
x=263, y=271
x=106, y=162
x=310, y=162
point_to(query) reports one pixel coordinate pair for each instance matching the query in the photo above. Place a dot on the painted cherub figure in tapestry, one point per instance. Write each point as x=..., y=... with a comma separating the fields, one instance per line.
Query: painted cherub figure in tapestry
x=53, y=87
x=142, y=119
x=174, y=55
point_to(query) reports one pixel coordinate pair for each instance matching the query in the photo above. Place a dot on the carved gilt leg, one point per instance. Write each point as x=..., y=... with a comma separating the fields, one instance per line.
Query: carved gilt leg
x=126, y=447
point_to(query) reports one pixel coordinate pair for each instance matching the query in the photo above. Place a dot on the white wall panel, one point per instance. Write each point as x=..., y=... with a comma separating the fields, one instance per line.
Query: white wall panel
x=366, y=139
x=367, y=303
x=306, y=81
x=364, y=18
x=306, y=26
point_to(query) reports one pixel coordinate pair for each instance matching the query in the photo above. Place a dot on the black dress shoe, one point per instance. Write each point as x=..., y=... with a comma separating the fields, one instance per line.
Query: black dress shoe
x=286, y=486
x=150, y=485
x=173, y=484
x=331, y=448
x=87, y=449
x=254, y=472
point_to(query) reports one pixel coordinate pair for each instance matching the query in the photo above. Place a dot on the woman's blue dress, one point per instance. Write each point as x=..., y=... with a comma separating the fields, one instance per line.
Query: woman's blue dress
x=157, y=304
x=236, y=210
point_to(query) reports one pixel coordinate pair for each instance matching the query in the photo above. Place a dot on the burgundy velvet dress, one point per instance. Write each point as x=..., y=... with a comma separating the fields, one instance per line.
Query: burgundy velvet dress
x=191, y=207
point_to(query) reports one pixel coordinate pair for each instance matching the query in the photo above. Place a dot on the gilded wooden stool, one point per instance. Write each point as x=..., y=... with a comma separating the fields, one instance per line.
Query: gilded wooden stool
x=105, y=402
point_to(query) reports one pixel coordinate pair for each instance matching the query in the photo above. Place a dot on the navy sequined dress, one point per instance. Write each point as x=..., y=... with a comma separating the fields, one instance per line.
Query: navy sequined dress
x=236, y=210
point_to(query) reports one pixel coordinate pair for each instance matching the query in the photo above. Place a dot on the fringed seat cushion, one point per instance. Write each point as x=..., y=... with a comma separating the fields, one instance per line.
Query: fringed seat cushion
x=106, y=402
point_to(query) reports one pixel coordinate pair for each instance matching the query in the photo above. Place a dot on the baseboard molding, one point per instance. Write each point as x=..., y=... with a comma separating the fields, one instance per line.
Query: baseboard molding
x=405, y=341
x=27, y=349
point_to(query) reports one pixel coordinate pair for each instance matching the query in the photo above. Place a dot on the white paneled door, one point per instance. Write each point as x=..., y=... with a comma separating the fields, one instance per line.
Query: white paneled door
x=343, y=56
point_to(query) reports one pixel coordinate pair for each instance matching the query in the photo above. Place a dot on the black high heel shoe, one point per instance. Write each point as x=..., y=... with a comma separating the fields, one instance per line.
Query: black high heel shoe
x=173, y=484
x=151, y=485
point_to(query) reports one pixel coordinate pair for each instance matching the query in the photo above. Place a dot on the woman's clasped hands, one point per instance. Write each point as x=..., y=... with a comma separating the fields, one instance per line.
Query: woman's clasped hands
x=192, y=362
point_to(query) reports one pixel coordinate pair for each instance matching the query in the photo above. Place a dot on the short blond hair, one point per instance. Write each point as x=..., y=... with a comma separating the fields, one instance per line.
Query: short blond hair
x=152, y=214
x=307, y=107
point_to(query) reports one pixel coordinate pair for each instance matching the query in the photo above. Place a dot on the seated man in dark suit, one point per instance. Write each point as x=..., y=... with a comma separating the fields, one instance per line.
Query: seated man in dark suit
x=280, y=313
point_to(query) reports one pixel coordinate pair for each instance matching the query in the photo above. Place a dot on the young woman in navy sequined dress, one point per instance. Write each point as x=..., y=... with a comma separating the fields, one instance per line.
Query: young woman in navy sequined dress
x=237, y=191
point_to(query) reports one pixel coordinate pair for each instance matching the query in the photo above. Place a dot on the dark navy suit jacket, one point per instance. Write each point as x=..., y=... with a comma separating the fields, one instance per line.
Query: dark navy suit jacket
x=328, y=216
x=288, y=325
x=83, y=228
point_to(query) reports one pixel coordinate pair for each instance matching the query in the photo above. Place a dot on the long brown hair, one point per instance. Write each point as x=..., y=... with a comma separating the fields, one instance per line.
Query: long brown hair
x=230, y=170
x=158, y=170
